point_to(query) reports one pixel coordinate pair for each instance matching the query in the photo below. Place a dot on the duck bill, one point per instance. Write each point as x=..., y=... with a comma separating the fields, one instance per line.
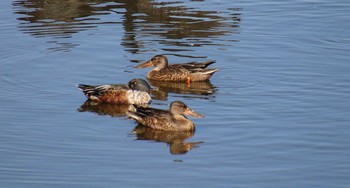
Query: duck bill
x=193, y=113
x=148, y=63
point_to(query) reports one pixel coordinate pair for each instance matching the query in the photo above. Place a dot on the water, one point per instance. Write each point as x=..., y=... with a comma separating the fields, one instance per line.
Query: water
x=276, y=114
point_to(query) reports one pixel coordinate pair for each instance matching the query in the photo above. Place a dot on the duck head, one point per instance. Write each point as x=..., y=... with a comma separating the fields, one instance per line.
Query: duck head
x=139, y=84
x=158, y=61
x=180, y=108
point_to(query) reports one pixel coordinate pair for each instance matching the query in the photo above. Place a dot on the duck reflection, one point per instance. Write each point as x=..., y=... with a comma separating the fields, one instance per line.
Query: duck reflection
x=172, y=21
x=175, y=139
x=51, y=18
x=113, y=110
x=203, y=90
x=168, y=21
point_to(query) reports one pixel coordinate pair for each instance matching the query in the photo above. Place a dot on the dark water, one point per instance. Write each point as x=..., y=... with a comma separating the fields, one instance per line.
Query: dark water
x=277, y=114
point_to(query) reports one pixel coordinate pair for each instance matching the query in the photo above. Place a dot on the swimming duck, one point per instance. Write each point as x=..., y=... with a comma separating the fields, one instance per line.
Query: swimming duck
x=135, y=92
x=185, y=72
x=172, y=120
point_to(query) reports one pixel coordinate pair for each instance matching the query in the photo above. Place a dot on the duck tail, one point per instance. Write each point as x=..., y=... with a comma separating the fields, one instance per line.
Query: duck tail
x=87, y=89
x=198, y=65
x=207, y=63
x=211, y=71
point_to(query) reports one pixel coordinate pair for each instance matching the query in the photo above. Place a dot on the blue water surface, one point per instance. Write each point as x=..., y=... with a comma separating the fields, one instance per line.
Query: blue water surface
x=276, y=114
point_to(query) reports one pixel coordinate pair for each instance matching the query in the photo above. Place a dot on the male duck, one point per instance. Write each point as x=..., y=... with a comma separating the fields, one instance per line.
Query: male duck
x=186, y=72
x=172, y=120
x=135, y=92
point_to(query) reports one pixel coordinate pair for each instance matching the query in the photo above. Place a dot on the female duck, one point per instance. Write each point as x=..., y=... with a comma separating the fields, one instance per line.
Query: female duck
x=172, y=120
x=186, y=72
x=135, y=92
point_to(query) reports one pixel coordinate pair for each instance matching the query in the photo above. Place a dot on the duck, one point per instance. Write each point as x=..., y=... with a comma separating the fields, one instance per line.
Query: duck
x=173, y=119
x=137, y=92
x=185, y=72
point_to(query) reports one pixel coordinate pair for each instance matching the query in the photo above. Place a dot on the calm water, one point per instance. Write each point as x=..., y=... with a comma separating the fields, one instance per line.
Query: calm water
x=277, y=114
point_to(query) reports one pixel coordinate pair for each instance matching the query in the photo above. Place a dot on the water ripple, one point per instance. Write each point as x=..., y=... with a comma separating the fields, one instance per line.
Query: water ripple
x=170, y=20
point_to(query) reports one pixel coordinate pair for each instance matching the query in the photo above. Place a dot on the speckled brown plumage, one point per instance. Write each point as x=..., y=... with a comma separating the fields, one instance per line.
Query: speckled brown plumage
x=114, y=96
x=186, y=72
x=136, y=92
x=172, y=120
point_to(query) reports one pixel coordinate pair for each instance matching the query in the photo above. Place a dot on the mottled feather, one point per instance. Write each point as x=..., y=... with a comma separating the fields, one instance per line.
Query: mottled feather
x=136, y=92
x=172, y=120
x=186, y=72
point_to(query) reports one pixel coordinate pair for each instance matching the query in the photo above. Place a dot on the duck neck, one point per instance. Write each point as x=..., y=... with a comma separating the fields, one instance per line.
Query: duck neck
x=162, y=64
x=183, y=123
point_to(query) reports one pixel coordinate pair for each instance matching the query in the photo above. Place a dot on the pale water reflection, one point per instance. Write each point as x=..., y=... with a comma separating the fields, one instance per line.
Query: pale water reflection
x=176, y=140
x=113, y=110
x=145, y=22
x=203, y=90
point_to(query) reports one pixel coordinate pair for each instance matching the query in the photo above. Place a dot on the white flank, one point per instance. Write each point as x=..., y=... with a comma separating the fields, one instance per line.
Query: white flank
x=138, y=97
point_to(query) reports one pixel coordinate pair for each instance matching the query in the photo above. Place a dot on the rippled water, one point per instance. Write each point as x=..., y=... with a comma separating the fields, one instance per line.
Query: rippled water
x=276, y=114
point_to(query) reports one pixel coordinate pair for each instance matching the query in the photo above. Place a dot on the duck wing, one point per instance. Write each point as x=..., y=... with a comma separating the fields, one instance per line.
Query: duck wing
x=91, y=90
x=193, y=67
x=197, y=65
x=150, y=117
